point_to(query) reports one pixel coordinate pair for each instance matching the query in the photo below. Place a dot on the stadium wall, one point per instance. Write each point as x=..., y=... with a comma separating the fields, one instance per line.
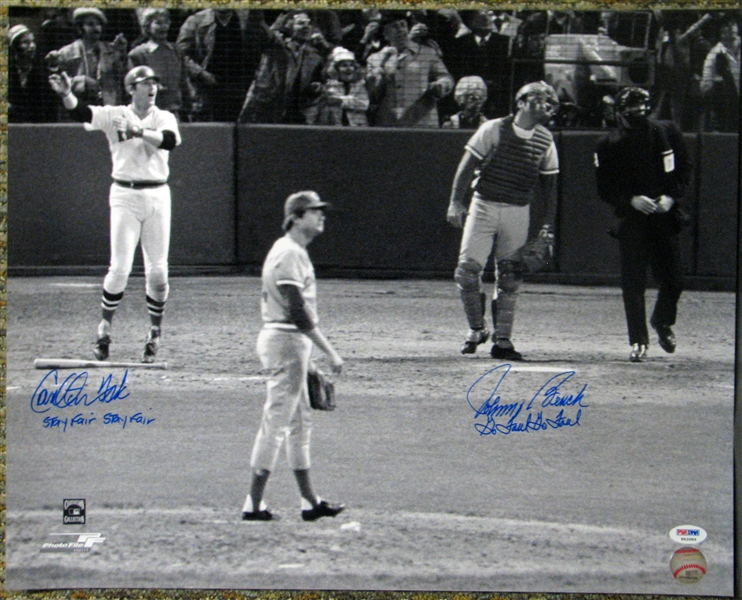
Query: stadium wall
x=389, y=187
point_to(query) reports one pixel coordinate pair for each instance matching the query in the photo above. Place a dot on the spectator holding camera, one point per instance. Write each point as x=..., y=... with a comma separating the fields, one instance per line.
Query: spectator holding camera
x=406, y=78
x=96, y=68
x=345, y=99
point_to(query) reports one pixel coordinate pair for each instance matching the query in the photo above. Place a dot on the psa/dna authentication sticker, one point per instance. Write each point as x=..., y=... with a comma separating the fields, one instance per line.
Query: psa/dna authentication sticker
x=73, y=512
x=688, y=534
x=688, y=564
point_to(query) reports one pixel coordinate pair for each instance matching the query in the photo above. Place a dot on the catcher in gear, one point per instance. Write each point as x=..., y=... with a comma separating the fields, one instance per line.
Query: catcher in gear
x=290, y=331
x=508, y=160
x=140, y=138
x=643, y=171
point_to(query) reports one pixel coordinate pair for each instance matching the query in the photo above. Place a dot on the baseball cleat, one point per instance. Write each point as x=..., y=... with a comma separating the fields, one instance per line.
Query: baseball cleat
x=151, y=345
x=638, y=353
x=323, y=509
x=504, y=350
x=101, y=347
x=257, y=515
x=475, y=337
x=666, y=337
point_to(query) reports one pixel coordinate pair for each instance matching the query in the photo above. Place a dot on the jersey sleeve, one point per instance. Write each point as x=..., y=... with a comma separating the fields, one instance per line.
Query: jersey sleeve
x=484, y=139
x=167, y=121
x=550, y=162
x=103, y=118
x=288, y=269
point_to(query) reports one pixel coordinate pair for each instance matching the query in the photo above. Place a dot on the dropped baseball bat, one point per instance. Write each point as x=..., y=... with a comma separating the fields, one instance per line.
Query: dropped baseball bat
x=72, y=363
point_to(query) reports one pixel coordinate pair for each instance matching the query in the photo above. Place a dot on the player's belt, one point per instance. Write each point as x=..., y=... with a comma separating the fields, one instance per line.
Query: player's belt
x=139, y=185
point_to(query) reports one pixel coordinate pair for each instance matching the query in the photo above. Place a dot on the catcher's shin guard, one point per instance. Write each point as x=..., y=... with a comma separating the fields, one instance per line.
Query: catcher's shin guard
x=510, y=276
x=503, y=315
x=474, y=300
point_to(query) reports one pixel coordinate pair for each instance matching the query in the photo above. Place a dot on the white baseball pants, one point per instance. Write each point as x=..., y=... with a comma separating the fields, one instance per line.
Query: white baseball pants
x=287, y=415
x=488, y=223
x=139, y=215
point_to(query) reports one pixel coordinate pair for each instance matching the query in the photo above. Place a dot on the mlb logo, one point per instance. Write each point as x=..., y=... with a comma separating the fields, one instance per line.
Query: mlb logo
x=73, y=512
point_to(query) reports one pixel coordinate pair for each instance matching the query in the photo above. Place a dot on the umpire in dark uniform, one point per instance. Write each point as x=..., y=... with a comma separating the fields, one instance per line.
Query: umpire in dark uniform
x=643, y=171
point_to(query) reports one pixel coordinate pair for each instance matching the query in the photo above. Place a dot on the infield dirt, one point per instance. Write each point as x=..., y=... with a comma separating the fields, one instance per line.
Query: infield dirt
x=432, y=504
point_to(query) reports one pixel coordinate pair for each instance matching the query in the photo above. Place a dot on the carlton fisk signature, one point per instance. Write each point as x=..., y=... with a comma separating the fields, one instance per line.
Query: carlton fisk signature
x=553, y=406
x=71, y=392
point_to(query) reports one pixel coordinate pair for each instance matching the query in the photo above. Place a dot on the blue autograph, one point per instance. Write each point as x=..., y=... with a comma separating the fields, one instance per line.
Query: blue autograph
x=520, y=416
x=50, y=393
x=108, y=419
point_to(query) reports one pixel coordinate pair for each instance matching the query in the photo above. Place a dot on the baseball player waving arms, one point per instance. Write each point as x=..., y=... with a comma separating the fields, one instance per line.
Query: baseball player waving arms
x=140, y=138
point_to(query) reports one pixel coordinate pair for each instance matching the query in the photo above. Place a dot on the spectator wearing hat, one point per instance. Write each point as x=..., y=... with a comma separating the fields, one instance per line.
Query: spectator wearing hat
x=345, y=100
x=163, y=58
x=217, y=50
x=97, y=68
x=29, y=100
x=288, y=84
x=406, y=78
x=470, y=95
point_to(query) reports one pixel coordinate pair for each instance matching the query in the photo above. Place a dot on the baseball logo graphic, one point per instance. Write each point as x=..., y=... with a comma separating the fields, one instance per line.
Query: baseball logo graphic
x=688, y=565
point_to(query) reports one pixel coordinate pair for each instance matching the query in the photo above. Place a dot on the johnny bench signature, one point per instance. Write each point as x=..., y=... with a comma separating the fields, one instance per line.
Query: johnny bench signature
x=551, y=407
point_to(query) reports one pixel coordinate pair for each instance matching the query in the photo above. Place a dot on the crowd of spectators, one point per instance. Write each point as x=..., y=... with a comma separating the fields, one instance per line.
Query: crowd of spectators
x=396, y=68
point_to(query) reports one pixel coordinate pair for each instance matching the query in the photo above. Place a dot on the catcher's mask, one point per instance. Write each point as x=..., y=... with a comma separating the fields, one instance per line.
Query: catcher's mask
x=540, y=95
x=633, y=105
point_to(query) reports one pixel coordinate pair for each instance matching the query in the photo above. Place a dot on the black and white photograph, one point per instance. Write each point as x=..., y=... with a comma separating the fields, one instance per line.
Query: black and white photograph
x=410, y=299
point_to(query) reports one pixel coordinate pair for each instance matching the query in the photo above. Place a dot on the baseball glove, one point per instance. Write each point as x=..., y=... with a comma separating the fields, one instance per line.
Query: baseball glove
x=538, y=254
x=321, y=391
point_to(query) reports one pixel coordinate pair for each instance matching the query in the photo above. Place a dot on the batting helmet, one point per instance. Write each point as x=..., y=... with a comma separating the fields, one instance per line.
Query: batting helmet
x=633, y=99
x=137, y=75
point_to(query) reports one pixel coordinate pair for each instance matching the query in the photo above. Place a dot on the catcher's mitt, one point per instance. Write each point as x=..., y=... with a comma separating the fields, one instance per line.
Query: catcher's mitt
x=538, y=254
x=321, y=391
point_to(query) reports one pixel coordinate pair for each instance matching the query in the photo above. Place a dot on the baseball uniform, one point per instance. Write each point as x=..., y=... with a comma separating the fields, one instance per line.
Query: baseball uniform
x=139, y=200
x=290, y=332
x=511, y=161
x=285, y=352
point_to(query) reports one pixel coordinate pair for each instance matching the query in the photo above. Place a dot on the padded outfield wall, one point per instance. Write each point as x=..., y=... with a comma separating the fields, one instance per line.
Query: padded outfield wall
x=390, y=189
